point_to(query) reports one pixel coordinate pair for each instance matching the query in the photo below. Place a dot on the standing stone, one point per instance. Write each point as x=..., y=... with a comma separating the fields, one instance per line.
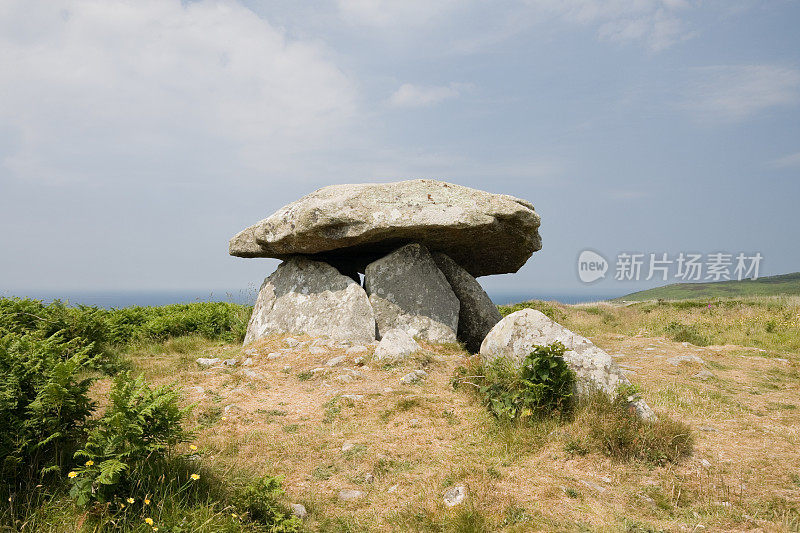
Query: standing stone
x=304, y=296
x=516, y=335
x=477, y=315
x=408, y=291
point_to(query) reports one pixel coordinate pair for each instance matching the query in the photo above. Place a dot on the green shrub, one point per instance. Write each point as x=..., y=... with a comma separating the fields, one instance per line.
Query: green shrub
x=610, y=427
x=140, y=425
x=686, y=333
x=260, y=500
x=542, y=385
x=44, y=404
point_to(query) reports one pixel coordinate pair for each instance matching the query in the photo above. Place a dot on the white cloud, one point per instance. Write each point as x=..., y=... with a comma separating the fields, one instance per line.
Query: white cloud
x=657, y=23
x=409, y=95
x=153, y=87
x=392, y=13
x=733, y=93
x=787, y=161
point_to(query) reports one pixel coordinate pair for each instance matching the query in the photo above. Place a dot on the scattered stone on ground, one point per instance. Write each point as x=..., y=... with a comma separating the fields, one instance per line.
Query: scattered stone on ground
x=413, y=377
x=704, y=375
x=680, y=359
x=395, y=345
x=298, y=510
x=350, y=494
x=336, y=360
x=207, y=361
x=455, y=495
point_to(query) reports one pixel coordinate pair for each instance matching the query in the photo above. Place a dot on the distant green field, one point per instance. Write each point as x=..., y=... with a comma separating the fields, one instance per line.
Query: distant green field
x=786, y=284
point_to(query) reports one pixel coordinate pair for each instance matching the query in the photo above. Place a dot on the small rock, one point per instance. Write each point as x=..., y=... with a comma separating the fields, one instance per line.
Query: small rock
x=455, y=495
x=705, y=463
x=232, y=408
x=230, y=362
x=393, y=488
x=347, y=446
x=336, y=360
x=318, y=370
x=298, y=509
x=250, y=373
x=369, y=478
x=350, y=494
x=413, y=377
x=248, y=362
x=345, y=378
x=679, y=359
x=396, y=344
x=206, y=361
x=291, y=342
x=353, y=397
x=358, y=361
x=358, y=349
x=704, y=375
x=707, y=429
x=287, y=368
x=274, y=355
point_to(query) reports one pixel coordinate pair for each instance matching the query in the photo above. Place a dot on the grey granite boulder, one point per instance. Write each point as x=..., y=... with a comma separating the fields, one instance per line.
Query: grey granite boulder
x=515, y=336
x=350, y=226
x=304, y=296
x=477, y=314
x=408, y=291
x=395, y=345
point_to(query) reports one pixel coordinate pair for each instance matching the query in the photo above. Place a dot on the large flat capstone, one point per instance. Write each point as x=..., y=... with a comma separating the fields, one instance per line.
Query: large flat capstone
x=516, y=335
x=408, y=291
x=351, y=226
x=305, y=296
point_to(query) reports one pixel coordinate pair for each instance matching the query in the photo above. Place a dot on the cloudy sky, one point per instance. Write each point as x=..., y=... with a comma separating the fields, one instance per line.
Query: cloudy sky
x=137, y=136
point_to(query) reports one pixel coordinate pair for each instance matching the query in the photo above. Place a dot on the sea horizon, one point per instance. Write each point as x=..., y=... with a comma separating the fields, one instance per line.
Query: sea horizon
x=127, y=298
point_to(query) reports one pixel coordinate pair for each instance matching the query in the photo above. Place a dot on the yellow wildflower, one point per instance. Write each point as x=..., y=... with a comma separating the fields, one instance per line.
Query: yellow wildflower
x=122, y=506
x=192, y=447
x=146, y=501
x=148, y=521
x=72, y=474
x=130, y=500
x=234, y=515
x=195, y=476
x=89, y=462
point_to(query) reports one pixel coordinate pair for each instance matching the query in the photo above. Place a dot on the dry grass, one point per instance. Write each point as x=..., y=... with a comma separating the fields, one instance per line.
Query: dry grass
x=411, y=442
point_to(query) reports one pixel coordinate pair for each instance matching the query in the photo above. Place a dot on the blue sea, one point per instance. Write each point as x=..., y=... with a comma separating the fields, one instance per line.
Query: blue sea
x=118, y=299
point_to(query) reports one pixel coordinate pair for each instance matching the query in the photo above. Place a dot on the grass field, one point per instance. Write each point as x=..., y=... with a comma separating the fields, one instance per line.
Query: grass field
x=353, y=425
x=783, y=285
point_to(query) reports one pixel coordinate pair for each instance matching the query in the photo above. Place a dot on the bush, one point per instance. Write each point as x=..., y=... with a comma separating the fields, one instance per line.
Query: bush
x=543, y=385
x=610, y=427
x=44, y=404
x=140, y=425
x=686, y=333
x=260, y=500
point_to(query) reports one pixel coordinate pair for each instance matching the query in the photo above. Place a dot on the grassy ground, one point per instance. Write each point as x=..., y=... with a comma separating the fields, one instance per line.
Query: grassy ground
x=352, y=426
x=786, y=284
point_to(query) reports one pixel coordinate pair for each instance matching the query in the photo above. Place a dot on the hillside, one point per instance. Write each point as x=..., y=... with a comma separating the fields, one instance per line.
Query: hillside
x=783, y=285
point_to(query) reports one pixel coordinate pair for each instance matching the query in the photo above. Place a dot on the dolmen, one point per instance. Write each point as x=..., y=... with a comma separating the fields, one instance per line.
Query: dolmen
x=419, y=244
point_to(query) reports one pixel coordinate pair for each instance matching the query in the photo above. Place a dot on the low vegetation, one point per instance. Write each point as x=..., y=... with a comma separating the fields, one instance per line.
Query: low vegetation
x=99, y=438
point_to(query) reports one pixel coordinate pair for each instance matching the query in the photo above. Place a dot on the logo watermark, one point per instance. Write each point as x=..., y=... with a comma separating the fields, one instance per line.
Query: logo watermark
x=591, y=266
x=684, y=266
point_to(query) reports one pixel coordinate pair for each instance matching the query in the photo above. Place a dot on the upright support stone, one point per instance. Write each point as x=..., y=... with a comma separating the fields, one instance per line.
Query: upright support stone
x=304, y=296
x=408, y=291
x=477, y=313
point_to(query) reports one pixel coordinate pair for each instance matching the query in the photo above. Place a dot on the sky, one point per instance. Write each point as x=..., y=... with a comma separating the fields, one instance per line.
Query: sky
x=136, y=137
